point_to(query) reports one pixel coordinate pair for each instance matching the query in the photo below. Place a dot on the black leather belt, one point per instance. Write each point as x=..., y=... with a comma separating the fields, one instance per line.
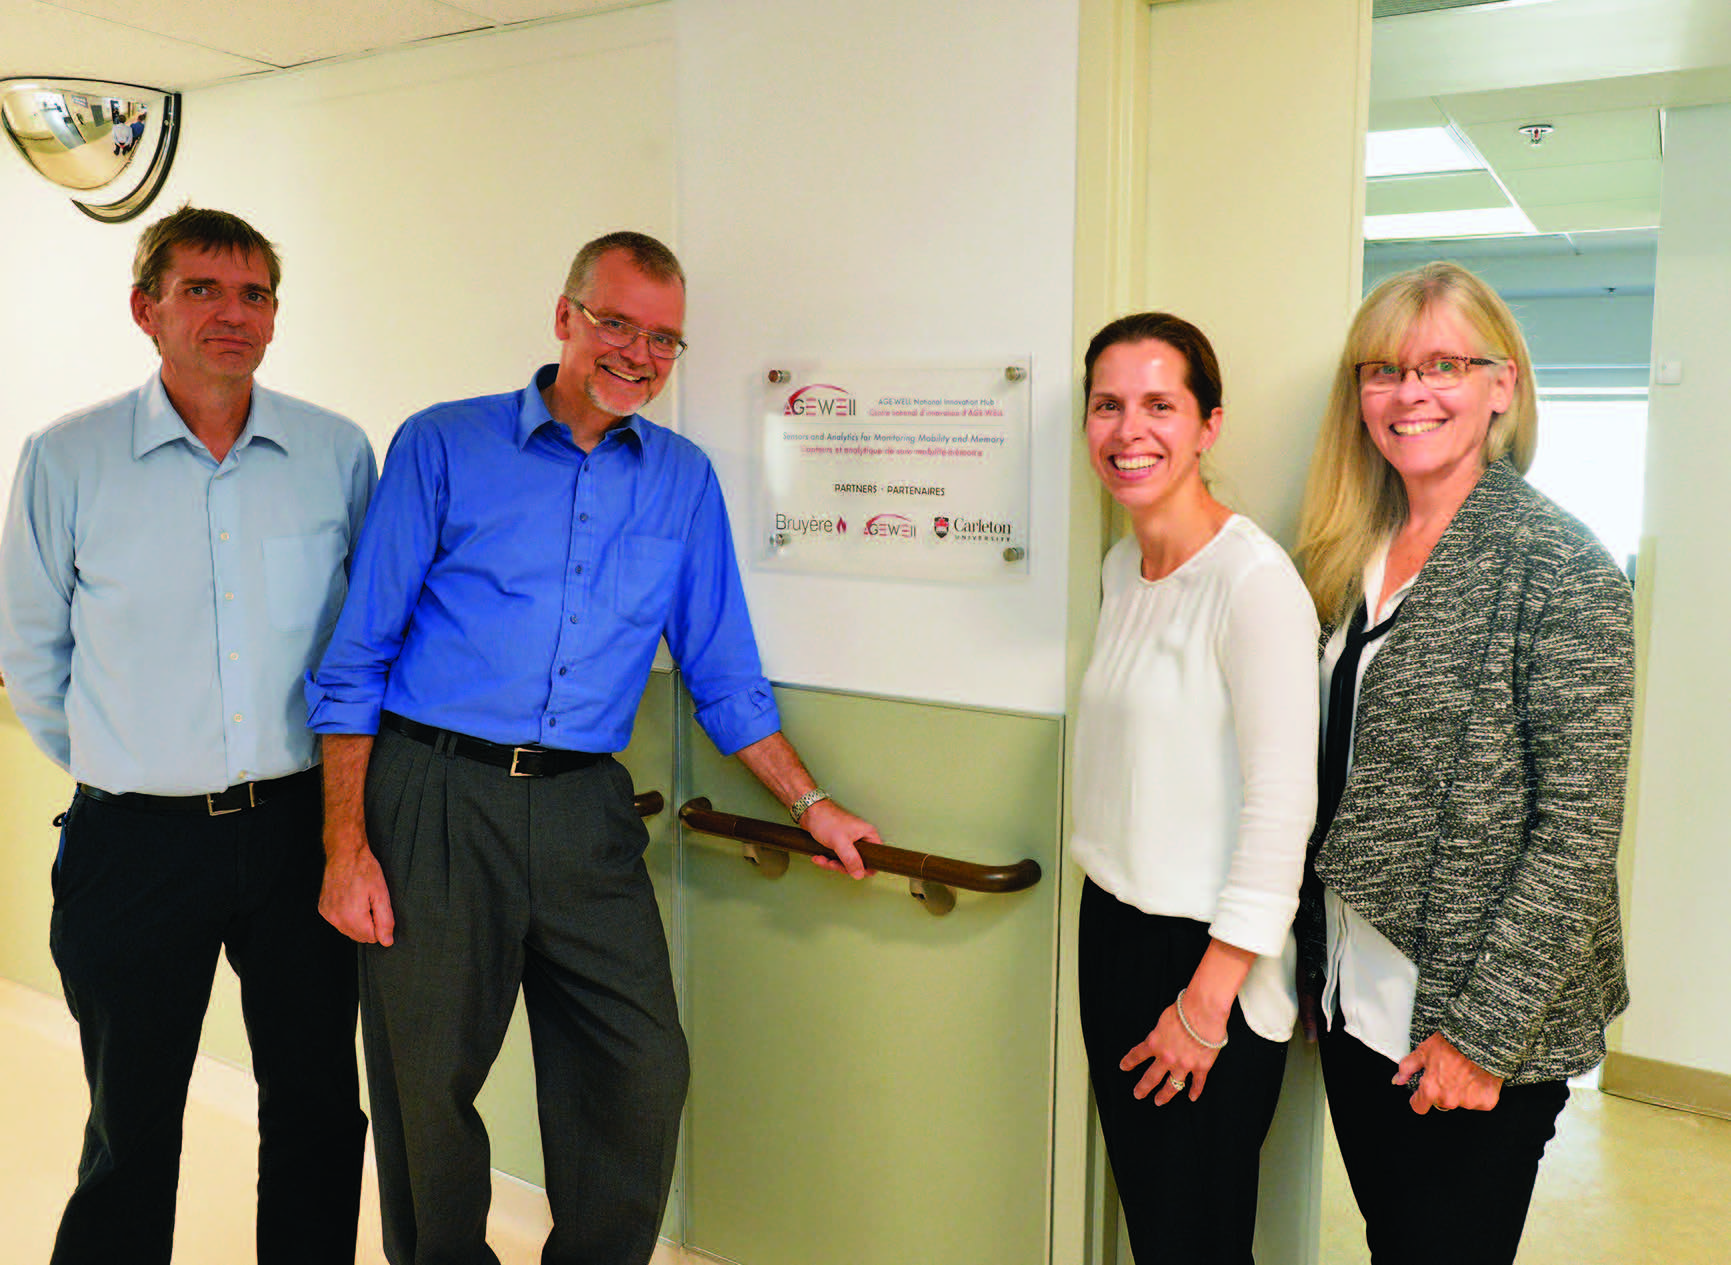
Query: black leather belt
x=528, y=761
x=236, y=799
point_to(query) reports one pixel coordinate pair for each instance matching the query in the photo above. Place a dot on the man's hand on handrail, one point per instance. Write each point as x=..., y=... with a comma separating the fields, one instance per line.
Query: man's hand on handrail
x=839, y=830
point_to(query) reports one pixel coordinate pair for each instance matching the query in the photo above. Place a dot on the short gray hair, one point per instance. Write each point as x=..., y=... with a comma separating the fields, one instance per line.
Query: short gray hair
x=651, y=258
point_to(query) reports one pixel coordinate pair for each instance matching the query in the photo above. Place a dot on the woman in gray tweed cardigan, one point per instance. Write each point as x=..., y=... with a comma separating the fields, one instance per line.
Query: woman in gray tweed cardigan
x=1460, y=939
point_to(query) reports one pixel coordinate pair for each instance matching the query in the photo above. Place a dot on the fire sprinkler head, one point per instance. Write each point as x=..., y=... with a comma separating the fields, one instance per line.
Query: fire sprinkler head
x=1535, y=132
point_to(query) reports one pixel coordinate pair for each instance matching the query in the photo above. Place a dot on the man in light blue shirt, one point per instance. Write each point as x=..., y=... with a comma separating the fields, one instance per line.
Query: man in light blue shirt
x=172, y=563
x=524, y=555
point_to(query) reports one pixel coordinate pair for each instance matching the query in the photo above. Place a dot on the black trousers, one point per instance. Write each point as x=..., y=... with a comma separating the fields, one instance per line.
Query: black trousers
x=1444, y=1188
x=143, y=903
x=1186, y=1172
x=499, y=883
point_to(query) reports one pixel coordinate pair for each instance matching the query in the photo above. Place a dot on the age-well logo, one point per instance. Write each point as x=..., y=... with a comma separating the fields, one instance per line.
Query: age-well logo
x=882, y=525
x=820, y=400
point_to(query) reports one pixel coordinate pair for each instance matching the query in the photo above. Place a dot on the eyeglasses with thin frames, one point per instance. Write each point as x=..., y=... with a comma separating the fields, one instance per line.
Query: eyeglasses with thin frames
x=1439, y=373
x=617, y=333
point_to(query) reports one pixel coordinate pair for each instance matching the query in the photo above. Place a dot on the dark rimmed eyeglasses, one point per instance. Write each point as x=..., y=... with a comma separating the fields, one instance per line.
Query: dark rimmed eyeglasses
x=1439, y=373
x=617, y=333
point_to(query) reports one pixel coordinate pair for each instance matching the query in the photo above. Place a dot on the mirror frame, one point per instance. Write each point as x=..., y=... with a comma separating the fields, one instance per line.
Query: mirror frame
x=137, y=190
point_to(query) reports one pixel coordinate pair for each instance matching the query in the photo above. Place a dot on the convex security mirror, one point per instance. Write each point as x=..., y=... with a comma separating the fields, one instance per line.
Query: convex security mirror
x=111, y=144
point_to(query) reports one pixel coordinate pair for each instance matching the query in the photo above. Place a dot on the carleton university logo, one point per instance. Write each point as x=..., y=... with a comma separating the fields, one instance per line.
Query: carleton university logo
x=940, y=526
x=819, y=400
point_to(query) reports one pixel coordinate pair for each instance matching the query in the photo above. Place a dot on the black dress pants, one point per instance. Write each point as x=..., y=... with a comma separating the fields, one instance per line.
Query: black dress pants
x=1444, y=1188
x=1187, y=1172
x=143, y=903
x=501, y=882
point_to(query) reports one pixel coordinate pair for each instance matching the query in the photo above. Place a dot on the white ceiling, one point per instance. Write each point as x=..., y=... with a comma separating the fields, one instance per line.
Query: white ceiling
x=1601, y=72
x=180, y=44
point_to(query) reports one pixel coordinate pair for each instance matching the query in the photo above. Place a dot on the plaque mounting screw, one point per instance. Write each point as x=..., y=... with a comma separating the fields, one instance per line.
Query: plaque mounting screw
x=1015, y=373
x=779, y=376
x=1015, y=553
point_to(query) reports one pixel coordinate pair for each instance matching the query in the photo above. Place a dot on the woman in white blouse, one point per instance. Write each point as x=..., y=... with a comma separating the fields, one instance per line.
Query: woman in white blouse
x=1195, y=777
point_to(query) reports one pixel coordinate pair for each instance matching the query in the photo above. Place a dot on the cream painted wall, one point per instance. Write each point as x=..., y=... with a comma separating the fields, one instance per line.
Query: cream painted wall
x=885, y=182
x=1679, y=938
x=426, y=202
x=1254, y=203
x=1255, y=193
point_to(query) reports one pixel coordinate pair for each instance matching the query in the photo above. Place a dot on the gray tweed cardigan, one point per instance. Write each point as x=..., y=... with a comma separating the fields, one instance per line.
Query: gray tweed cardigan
x=1478, y=828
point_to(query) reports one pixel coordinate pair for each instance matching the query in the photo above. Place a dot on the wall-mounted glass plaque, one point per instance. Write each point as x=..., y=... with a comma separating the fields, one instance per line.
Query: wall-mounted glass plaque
x=896, y=473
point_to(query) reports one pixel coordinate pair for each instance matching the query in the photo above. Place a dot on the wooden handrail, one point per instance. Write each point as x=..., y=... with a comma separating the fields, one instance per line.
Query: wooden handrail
x=698, y=815
x=649, y=803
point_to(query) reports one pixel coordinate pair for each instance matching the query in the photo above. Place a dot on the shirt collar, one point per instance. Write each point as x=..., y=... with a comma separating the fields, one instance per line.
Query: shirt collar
x=156, y=421
x=1375, y=568
x=534, y=415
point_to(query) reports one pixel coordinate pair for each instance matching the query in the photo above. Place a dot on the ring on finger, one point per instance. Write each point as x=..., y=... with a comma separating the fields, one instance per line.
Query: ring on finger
x=1177, y=1083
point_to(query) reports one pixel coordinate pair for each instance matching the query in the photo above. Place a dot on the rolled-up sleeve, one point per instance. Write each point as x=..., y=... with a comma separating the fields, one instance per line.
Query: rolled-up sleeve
x=709, y=632
x=397, y=543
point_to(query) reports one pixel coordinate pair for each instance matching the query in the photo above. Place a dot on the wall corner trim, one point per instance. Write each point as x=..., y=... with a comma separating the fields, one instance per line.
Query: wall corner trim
x=1667, y=1084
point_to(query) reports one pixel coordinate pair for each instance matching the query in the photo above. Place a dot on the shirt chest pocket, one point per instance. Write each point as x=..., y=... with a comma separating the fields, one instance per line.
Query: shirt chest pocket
x=304, y=581
x=647, y=576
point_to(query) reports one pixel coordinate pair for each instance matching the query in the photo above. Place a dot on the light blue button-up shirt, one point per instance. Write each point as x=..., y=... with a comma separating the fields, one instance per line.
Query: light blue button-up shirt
x=511, y=587
x=158, y=609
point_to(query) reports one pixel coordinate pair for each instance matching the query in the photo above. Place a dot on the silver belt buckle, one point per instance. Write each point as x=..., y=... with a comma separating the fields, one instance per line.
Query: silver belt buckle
x=517, y=753
x=210, y=801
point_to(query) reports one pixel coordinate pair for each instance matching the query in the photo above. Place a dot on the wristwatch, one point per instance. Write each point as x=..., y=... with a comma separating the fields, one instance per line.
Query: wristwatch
x=797, y=809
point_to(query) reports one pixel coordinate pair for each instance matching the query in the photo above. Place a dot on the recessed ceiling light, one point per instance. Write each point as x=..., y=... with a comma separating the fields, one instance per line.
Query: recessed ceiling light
x=1495, y=221
x=1417, y=151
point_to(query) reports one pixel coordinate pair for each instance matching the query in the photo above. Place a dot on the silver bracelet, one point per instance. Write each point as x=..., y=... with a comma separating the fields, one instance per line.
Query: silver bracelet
x=796, y=810
x=1200, y=1040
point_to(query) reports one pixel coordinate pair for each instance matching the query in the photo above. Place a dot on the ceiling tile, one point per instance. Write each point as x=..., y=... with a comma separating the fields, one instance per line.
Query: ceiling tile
x=1588, y=182
x=39, y=39
x=1588, y=217
x=1672, y=88
x=1392, y=116
x=1456, y=191
x=530, y=10
x=285, y=34
x=1566, y=41
x=1601, y=136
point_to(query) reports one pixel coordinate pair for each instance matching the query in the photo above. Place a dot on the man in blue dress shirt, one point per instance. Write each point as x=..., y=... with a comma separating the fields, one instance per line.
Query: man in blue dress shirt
x=523, y=557
x=172, y=563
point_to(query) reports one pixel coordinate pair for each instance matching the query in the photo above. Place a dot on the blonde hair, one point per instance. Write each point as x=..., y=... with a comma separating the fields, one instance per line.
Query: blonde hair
x=1353, y=499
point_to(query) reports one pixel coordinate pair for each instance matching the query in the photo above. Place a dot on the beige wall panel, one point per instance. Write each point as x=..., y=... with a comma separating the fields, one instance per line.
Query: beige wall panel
x=1254, y=182
x=871, y=1084
x=1679, y=938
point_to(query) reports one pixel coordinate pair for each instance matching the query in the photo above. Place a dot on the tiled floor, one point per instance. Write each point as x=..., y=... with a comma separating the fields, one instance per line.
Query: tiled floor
x=1622, y=1183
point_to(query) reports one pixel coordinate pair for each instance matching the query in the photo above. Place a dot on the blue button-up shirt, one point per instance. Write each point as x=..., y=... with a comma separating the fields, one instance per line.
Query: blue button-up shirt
x=511, y=587
x=158, y=609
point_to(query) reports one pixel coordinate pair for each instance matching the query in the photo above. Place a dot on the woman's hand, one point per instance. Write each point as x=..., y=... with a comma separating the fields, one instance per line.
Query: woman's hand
x=1181, y=1061
x=1451, y=1079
